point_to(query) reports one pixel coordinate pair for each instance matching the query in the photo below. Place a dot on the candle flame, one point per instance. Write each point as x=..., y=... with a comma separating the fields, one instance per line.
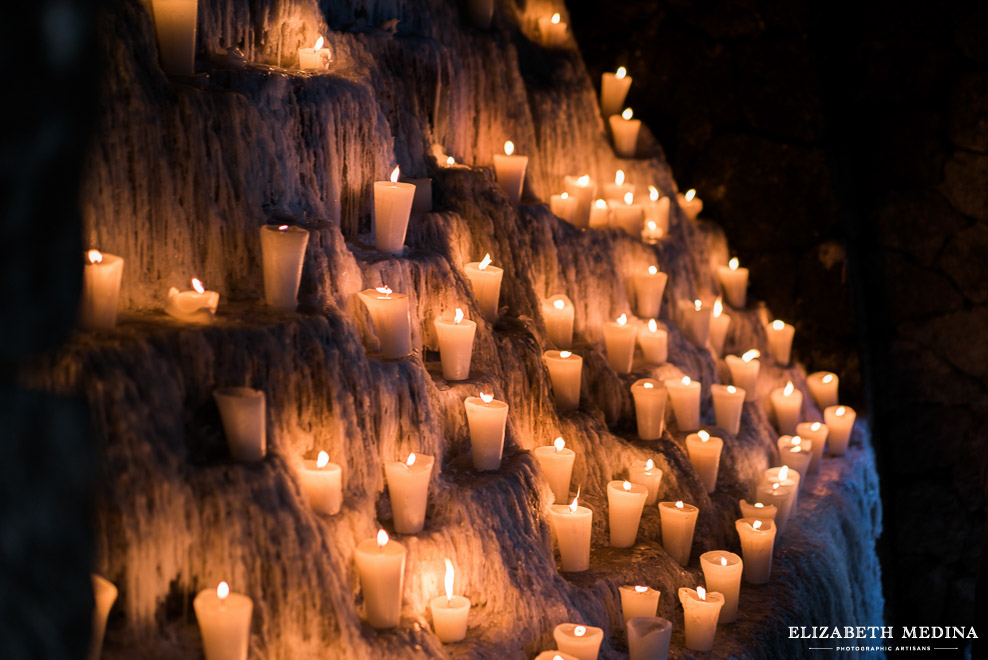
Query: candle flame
x=789, y=389
x=486, y=398
x=704, y=436
x=757, y=524
x=450, y=161
x=828, y=378
x=382, y=538
x=579, y=631
x=619, y=177
x=686, y=380
x=697, y=305
x=795, y=449
x=319, y=42
x=222, y=591
x=565, y=195
x=723, y=561
x=559, y=443
x=629, y=197
x=649, y=464
x=485, y=262
x=282, y=227
x=322, y=460
x=622, y=320
x=601, y=204
x=775, y=487
x=815, y=426
x=718, y=307
x=653, y=193
x=555, y=18
x=626, y=486
x=701, y=593
x=733, y=263
x=653, y=270
x=731, y=389
x=783, y=473
x=411, y=460
x=778, y=325
x=565, y=354
x=679, y=504
x=197, y=285
x=384, y=291
x=840, y=411
x=751, y=355
x=759, y=505
x=648, y=386
x=641, y=588
x=690, y=194
x=458, y=316
x=509, y=148
x=448, y=579
x=394, y=174
x=627, y=114
x=621, y=73
x=653, y=326
x=558, y=304
x=796, y=441
x=583, y=181
x=95, y=256
x=576, y=501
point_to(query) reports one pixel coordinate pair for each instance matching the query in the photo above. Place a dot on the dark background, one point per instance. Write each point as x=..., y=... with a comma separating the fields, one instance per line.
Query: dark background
x=844, y=149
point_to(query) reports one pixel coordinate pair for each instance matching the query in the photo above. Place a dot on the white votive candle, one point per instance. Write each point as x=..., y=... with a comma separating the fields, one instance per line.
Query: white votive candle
x=195, y=306
x=734, y=282
x=600, y=215
x=449, y=612
x=581, y=189
x=556, y=462
x=704, y=452
x=625, y=502
x=678, y=520
x=648, y=638
x=105, y=593
x=780, y=493
x=650, y=407
x=722, y=574
x=315, y=58
x=582, y=642
x=645, y=473
x=624, y=131
x=224, y=622
x=617, y=189
x=408, y=486
x=175, y=27
x=558, y=313
x=788, y=405
x=758, y=510
x=389, y=313
x=728, y=404
x=242, y=410
x=619, y=340
x=381, y=566
x=322, y=483
x=816, y=433
x=552, y=31
x=795, y=453
x=780, y=336
x=572, y=524
x=638, y=601
x=486, y=419
x=650, y=284
x=563, y=206
x=823, y=388
x=455, y=344
x=744, y=372
x=510, y=171
x=654, y=342
x=566, y=376
x=690, y=203
x=757, y=543
x=695, y=321
x=282, y=253
x=719, y=325
x=392, y=207
x=685, y=397
x=485, y=280
x=613, y=90
x=701, y=610
x=840, y=422
x=626, y=214
x=101, y=276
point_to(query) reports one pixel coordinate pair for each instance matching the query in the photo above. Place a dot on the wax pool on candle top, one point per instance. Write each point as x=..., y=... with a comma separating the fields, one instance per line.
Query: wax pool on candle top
x=486, y=419
x=322, y=483
x=389, y=313
x=408, y=486
x=625, y=502
x=744, y=372
x=565, y=374
x=243, y=412
x=650, y=407
x=582, y=642
x=101, y=277
x=485, y=280
x=510, y=171
x=556, y=462
x=613, y=90
x=392, y=207
x=381, y=566
x=638, y=601
x=654, y=342
x=701, y=610
x=282, y=254
x=650, y=284
x=455, y=344
x=449, y=612
x=685, y=397
x=106, y=594
x=678, y=520
x=195, y=306
x=722, y=573
x=625, y=130
x=224, y=622
x=558, y=313
x=840, y=422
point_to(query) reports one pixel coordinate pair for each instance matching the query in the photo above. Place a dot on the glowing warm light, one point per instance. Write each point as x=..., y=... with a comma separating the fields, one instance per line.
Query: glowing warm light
x=840, y=411
x=283, y=228
x=619, y=177
x=796, y=441
x=394, y=174
x=704, y=436
x=828, y=378
x=621, y=73
x=778, y=325
x=775, y=487
x=648, y=386
x=565, y=195
x=222, y=591
x=555, y=18
x=95, y=256
x=641, y=588
x=701, y=593
x=448, y=579
x=579, y=631
x=626, y=486
x=690, y=194
x=622, y=320
x=815, y=426
x=653, y=270
x=686, y=380
x=382, y=538
x=509, y=148
x=679, y=504
x=757, y=524
x=486, y=398
x=751, y=355
x=629, y=198
x=322, y=460
x=627, y=114
x=575, y=503
x=653, y=193
x=384, y=291
x=718, y=307
x=559, y=443
x=789, y=389
x=485, y=262
x=450, y=161
x=796, y=449
x=197, y=285
x=759, y=505
x=583, y=181
x=723, y=561
x=319, y=42
x=558, y=304
x=731, y=389
x=783, y=473
x=565, y=354
x=649, y=465
x=411, y=460
x=653, y=326
x=601, y=204
x=698, y=304
x=733, y=263
x=458, y=316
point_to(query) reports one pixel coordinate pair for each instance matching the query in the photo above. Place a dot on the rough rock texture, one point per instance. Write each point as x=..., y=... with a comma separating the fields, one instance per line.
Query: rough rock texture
x=180, y=179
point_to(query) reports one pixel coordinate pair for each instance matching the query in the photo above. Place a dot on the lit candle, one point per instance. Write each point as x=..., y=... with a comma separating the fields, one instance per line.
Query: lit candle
x=486, y=282
x=758, y=510
x=650, y=407
x=553, y=31
x=618, y=189
x=701, y=610
x=627, y=215
x=510, y=171
x=644, y=473
x=555, y=654
x=722, y=574
x=565, y=374
x=392, y=207
x=625, y=502
x=613, y=90
x=652, y=233
x=572, y=524
x=408, y=486
x=101, y=276
x=650, y=284
x=563, y=206
x=654, y=342
x=678, y=520
x=795, y=453
x=389, y=313
x=224, y=622
x=196, y=306
x=558, y=312
x=106, y=594
x=314, y=58
x=780, y=336
x=728, y=404
x=381, y=566
x=282, y=254
x=322, y=483
x=486, y=419
x=744, y=372
x=581, y=642
x=719, y=323
x=175, y=26
x=704, y=452
x=449, y=612
x=455, y=344
x=788, y=405
x=685, y=397
x=242, y=410
x=840, y=423
x=696, y=321
x=816, y=433
x=690, y=203
x=757, y=543
x=619, y=339
x=556, y=462
x=600, y=215
x=657, y=211
x=581, y=189
x=823, y=388
x=638, y=601
x=648, y=638
x=734, y=282
x=624, y=130
x=778, y=488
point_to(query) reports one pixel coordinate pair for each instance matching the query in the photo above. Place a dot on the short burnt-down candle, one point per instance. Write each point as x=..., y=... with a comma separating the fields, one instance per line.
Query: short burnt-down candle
x=625, y=502
x=600, y=215
x=322, y=483
x=704, y=452
x=316, y=58
x=195, y=306
x=552, y=30
x=645, y=473
x=224, y=622
x=823, y=388
x=719, y=325
x=757, y=544
x=558, y=314
x=695, y=320
x=582, y=642
x=619, y=341
x=649, y=638
x=486, y=419
x=734, y=282
x=758, y=510
x=613, y=90
x=556, y=462
x=816, y=433
x=563, y=206
x=787, y=402
x=449, y=612
x=638, y=601
x=572, y=524
x=722, y=573
x=780, y=336
x=691, y=204
x=840, y=423
x=105, y=593
x=509, y=170
x=381, y=567
x=243, y=412
x=392, y=208
x=581, y=189
x=282, y=254
x=650, y=284
x=728, y=405
x=795, y=453
x=485, y=280
x=389, y=313
x=408, y=487
x=175, y=26
x=566, y=375
x=101, y=276
x=744, y=371
x=628, y=215
x=684, y=394
x=678, y=520
x=455, y=336
x=650, y=407
x=654, y=342
x=701, y=610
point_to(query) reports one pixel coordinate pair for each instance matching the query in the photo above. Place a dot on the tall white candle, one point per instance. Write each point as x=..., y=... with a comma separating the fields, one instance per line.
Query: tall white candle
x=224, y=622
x=613, y=90
x=175, y=26
x=650, y=284
x=758, y=510
x=823, y=388
x=563, y=206
x=322, y=483
x=243, y=412
x=695, y=321
x=455, y=344
x=704, y=452
x=722, y=573
x=619, y=339
x=685, y=397
x=449, y=612
x=392, y=207
x=408, y=486
x=486, y=418
x=106, y=594
x=816, y=433
x=795, y=453
x=734, y=282
x=690, y=203
x=316, y=58
x=644, y=473
x=196, y=306
x=626, y=214
x=840, y=422
x=654, y=342
x=510, y=171
x=757, y=543
x=580, y=188
x=780, y=336
x=556, y=462
x=728, y=404
x=282, y=253
x=678, y=520
x=558, y=313
x=701, y=610
x=625, y=130
x=719, y=324
x=648, y=638
x=625, y=502
x=618, y=189
x=389, y=313
x=572, y=524
x=638, y=601
x=744, y=372
x=650, y=407
x=788, y=405
x=566, y=376
x=486, y=282
x=381, y=566
x=581, y=642
x=101, y=276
